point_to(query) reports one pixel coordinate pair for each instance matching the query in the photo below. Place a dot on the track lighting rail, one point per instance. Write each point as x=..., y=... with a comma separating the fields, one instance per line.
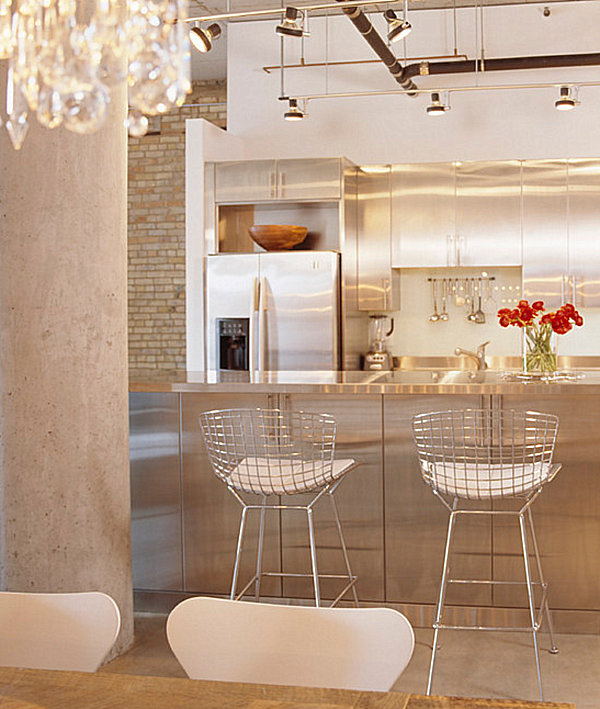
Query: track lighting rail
x=348, y=62
x=444, y=89
x=250, y=14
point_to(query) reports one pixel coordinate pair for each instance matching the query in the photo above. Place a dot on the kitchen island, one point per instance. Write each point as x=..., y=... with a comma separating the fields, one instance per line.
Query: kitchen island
x=184, y=522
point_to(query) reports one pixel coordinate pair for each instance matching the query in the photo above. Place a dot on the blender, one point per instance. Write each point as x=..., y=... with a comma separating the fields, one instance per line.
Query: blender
x=378, y=357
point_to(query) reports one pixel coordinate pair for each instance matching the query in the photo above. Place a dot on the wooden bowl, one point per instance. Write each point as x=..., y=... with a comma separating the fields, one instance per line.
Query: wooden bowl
x=277, y=237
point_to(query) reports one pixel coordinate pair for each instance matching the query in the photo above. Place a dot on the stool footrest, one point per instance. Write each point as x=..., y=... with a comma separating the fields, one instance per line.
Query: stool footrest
x=498, y=582
x=502, y=628
x=284, y=574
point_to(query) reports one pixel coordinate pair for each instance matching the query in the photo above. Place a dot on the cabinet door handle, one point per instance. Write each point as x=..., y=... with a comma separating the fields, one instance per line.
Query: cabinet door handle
x=253, y=316
x=262, y=324
x=273, y=185
x=460, y=241
x=385, y=284
x=450, y=250
x=281, y=184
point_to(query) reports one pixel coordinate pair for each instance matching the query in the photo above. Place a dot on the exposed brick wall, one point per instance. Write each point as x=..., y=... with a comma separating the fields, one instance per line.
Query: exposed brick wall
x=156, y=231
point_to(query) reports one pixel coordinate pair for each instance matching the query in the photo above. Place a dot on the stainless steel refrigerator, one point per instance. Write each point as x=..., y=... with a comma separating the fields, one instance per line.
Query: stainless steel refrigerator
x=273, y=311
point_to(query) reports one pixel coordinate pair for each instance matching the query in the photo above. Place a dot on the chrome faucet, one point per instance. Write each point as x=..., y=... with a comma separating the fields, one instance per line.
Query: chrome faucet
x=478, y=356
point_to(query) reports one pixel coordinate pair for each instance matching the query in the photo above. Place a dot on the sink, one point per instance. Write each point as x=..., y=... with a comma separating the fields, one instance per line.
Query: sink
x=441, y=376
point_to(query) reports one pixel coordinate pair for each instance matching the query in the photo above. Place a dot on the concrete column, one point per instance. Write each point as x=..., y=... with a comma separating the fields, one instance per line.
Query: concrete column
x=64, y=478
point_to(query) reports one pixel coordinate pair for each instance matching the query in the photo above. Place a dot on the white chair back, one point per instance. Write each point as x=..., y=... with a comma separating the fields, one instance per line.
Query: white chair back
x=233, y=641
x=57, y=631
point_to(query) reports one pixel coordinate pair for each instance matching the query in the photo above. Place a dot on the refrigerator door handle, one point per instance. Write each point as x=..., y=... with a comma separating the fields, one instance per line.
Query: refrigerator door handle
x=254, y=306
x=262, y=310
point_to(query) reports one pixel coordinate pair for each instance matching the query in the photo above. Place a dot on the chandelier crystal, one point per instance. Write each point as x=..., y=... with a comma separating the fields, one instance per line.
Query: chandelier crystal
x=65, y=55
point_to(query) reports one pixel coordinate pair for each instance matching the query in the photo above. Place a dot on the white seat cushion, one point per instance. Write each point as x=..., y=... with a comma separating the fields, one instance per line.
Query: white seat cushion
x=285, y=476
x=486, y=480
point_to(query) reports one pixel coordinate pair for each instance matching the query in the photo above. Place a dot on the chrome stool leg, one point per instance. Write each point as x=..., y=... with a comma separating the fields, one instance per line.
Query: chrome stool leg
x=343, y=544
x=313, y=556
x=442, y=595
x=238, y=554
x=544, y=585
x=259, y=550
x=531, y=602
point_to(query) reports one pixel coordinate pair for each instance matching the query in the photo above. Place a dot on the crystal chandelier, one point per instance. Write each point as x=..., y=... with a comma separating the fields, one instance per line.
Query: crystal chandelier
x=64, y=56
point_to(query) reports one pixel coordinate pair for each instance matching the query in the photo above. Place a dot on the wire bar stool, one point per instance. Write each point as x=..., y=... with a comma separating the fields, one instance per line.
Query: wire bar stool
x=274, y=454
x=489, y=455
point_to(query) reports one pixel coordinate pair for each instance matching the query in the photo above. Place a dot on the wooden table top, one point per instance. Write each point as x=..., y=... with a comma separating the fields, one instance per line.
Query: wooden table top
x=48, y=689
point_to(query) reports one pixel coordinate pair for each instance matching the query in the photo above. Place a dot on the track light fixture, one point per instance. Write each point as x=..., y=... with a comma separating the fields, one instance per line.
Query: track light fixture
x=566, y=102
x=202, y=38
x=436, y=107
x=292, y=24
x=398, y=28
x=294, y=112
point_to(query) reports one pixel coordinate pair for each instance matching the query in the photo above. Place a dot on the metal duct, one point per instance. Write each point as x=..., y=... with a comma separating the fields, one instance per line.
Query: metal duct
x=552, y=61
x=364, y=26
x=404, y=75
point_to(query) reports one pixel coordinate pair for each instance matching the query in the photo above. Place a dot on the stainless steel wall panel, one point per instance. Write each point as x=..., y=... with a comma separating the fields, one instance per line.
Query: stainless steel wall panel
x=544, y=230
x=211, y=515
x=359, y=499
x=416, y=521
x=584, y=241
x=314, y=178
x=375, y=277
x=566, y=513
x=155, y=491
x=488, y=213
x=423, y=215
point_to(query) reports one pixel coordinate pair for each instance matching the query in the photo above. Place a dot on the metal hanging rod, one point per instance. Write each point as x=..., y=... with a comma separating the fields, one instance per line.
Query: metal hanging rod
x=462, y=278
x=303, y=65
x=447, y=89
x=281, y=10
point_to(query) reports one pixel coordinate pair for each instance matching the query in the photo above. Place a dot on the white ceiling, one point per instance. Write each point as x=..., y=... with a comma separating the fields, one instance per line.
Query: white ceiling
x=213, y=65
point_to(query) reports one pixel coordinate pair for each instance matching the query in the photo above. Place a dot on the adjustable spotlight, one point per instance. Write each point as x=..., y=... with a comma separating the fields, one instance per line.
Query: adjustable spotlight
x=566, y=102
x=294, y=112
x=292, y=24
x=202, y=38
x=398, y=28
x=436, y=107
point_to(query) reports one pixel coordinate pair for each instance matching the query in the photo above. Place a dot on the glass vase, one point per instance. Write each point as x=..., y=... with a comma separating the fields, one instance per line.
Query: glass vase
x=539, y=353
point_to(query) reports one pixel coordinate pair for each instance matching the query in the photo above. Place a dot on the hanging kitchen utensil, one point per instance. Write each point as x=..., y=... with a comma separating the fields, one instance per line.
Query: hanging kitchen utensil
x=445, y=286
x=434, y=317
x=479, y=314
x=471, y=299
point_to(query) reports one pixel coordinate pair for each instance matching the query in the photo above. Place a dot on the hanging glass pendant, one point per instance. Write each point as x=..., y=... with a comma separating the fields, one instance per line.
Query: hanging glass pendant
x=64, y=55
x=16, y=109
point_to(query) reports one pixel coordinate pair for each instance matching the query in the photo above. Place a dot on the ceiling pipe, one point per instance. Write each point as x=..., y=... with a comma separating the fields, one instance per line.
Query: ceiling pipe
x=377, y=44
x=552, y=61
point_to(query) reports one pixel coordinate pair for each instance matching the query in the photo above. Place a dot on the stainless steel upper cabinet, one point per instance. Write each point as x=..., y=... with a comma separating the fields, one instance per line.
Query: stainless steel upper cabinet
x=545, y=245
x=318, y=178
x=266, y=180
x=488, y=213
x=423, y=215
x=583, y=278
x=375, y=275
x=246, y=181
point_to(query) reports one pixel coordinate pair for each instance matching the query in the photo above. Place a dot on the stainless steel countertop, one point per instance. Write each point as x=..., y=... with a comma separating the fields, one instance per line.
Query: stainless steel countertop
x=422, y=381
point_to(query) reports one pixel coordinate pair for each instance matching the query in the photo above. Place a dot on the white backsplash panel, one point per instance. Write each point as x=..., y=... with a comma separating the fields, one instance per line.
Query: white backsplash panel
x=416, y=335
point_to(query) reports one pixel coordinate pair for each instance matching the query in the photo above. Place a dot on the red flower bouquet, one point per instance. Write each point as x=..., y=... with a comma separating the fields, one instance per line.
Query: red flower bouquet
x=538, y=327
